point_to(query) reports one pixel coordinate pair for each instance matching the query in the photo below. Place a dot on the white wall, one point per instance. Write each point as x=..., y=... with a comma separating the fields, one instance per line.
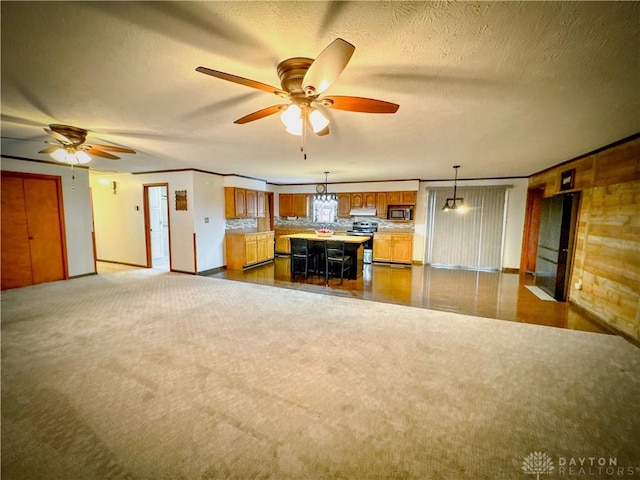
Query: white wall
x=77, y=210
x=209, y=204
x=120, y=235
x=516, y=204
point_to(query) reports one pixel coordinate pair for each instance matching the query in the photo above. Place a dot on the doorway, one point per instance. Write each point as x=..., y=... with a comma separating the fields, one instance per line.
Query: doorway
x=558, y=220
x=156, y=219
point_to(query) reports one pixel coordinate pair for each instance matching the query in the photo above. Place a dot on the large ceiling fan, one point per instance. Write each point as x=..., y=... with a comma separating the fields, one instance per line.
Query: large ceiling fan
x=70, y=146
x=303, y=80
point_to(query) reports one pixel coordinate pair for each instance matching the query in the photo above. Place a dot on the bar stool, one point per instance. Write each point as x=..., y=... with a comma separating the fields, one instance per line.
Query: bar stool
x=301, y=257
x=334, y=254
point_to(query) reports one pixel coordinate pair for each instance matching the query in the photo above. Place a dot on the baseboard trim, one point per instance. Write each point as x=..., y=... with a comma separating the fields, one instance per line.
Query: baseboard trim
x=606, y=326
x=510, y=270
x=82, y=275
x=122, y=263
x=211, y=271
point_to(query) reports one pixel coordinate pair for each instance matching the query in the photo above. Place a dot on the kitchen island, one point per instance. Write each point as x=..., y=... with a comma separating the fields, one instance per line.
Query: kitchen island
x=353, y=244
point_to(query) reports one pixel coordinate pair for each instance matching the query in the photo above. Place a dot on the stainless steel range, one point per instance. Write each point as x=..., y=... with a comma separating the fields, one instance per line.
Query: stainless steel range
x=365, y=229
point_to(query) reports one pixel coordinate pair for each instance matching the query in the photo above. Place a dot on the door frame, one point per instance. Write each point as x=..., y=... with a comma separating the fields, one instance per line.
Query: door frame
x=535, y=195
x=147, y=222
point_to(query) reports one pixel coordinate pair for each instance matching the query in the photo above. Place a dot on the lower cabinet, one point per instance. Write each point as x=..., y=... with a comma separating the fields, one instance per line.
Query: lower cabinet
x=244, y=250
x=392, y=247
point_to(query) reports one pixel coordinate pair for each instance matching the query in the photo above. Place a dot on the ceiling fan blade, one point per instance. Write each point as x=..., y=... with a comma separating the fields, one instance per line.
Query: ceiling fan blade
x=265, y=112
x=327, y=66
x=111, y=148
x=58, y=136
x=49, y=149
x=359, y=104
x=242, y=81
x=100, y=153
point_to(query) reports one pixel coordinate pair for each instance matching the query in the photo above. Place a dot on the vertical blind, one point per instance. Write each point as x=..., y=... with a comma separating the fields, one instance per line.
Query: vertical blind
x=471, y=240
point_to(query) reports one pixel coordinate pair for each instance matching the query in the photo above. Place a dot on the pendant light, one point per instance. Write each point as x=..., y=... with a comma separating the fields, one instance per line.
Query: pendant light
x=455, y=203
x=325, y=196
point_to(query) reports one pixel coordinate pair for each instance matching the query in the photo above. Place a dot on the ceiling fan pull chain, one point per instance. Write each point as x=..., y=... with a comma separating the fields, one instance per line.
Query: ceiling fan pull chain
x=303, y=140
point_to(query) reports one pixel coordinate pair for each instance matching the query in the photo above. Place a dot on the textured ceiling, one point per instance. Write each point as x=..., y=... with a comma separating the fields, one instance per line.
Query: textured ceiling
x=503, y=89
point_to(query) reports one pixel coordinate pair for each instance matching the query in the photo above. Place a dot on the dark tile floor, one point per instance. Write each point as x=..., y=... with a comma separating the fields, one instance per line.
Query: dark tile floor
x=487, y=294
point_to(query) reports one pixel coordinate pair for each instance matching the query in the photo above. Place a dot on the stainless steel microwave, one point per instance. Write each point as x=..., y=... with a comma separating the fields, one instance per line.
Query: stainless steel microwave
x=399, y=212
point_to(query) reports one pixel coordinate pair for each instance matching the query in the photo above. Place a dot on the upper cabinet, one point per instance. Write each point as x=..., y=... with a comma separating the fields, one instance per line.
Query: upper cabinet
x=293, y=205
x=381, y=204
x=344, y=204
x=243, y=203
x=401, y=198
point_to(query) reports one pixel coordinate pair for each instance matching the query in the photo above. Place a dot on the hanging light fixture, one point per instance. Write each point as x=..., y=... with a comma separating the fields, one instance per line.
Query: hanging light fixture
x=70, y=154
x=455, y=203
x=323, y=193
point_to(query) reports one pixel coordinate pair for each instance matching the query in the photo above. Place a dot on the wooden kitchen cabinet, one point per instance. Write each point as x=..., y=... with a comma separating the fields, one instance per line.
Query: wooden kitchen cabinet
x=357, y=200
x=344, y=205
x=245, y=250
x=381, y=204
x=363, y=200
x=241, y=203
x=369, y=200
x=293, y=205
x=261, y=198
x=392, y=247
x=401, y=198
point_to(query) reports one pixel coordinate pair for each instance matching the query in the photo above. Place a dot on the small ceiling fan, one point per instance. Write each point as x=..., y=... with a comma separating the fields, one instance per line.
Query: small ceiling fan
x=303, y=80
x=70, y=146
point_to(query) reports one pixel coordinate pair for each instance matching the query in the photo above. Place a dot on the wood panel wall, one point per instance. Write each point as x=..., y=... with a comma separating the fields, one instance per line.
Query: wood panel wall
x=606, y=262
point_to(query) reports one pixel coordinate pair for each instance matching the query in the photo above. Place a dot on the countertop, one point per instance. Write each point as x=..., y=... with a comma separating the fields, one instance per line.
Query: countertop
x=246, y=232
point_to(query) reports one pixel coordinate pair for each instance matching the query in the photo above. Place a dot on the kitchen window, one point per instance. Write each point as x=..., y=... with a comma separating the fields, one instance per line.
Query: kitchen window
x=325, y=208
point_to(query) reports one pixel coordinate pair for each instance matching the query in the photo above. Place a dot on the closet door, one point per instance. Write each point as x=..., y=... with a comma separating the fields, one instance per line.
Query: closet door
x=45, y=234
x=16, y=257
x=32, y=230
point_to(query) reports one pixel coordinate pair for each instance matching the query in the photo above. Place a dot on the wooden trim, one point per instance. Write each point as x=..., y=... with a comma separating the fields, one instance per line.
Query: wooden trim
x=211, y=271
x=83, y=275
x=63, y=230
x=602, y=324
x=183, y=271
x=593, y=152
x=93, y=233
x=49, y=162
x=147, y=226
x=195, y=254
x=122, y=263
x=510, y=270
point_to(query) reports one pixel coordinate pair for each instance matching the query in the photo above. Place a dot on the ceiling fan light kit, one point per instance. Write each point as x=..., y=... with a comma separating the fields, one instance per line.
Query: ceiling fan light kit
x=71, y=147
x=71, y=156
x=303, y=80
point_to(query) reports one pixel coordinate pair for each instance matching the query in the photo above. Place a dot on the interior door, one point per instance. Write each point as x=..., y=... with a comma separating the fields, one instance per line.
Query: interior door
x=555, y=241
x=33, y=248
x=16, y=256
x=157, y=226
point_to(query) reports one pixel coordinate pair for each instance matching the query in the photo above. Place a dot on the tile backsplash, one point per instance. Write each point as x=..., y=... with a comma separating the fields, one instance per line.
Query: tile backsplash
x=342, y=225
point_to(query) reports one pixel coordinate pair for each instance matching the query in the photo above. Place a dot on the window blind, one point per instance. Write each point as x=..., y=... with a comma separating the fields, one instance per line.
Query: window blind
x=472, y=240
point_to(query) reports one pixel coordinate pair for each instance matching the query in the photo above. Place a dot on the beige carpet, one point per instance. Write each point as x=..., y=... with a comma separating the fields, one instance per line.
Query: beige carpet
x=148, y=375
